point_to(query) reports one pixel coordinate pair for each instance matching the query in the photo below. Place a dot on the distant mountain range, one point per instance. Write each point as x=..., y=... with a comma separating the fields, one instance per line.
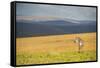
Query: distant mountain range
x=26, y=28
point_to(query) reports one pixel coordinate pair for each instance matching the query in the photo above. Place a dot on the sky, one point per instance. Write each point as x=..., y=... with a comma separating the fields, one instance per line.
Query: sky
x=70, y=12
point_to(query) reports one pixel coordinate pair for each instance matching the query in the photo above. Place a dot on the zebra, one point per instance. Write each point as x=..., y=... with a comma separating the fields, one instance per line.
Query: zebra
x=80, y=43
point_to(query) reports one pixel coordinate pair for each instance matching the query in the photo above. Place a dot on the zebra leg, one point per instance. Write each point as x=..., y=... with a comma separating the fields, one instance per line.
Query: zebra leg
x=78, y=48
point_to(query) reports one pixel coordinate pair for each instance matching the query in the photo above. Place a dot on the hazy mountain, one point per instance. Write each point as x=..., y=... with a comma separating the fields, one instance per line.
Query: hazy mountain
x=27, y=28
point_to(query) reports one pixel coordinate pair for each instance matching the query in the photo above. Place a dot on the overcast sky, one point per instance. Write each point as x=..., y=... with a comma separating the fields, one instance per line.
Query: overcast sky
x=71, y=12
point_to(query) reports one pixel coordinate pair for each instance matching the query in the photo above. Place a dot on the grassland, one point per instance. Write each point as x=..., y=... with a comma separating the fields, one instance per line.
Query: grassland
x=55, y=49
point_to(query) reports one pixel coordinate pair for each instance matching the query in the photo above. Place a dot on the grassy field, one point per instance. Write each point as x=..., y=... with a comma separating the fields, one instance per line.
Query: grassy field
x=55, y=49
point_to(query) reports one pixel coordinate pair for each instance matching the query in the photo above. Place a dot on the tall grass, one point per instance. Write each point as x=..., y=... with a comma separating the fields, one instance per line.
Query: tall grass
x=55, y=49
x=55, y=57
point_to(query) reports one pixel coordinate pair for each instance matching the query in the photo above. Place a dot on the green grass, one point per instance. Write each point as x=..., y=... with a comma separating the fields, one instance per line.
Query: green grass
x=55, y=57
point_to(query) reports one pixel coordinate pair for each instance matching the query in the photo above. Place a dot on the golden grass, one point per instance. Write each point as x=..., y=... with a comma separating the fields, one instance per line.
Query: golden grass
x=46, y=49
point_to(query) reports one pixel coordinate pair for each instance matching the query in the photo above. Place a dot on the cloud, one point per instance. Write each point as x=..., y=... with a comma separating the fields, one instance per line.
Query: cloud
x=72, y=12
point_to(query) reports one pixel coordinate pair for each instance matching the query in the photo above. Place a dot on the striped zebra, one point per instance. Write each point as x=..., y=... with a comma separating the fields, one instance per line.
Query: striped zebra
x=80, y=43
